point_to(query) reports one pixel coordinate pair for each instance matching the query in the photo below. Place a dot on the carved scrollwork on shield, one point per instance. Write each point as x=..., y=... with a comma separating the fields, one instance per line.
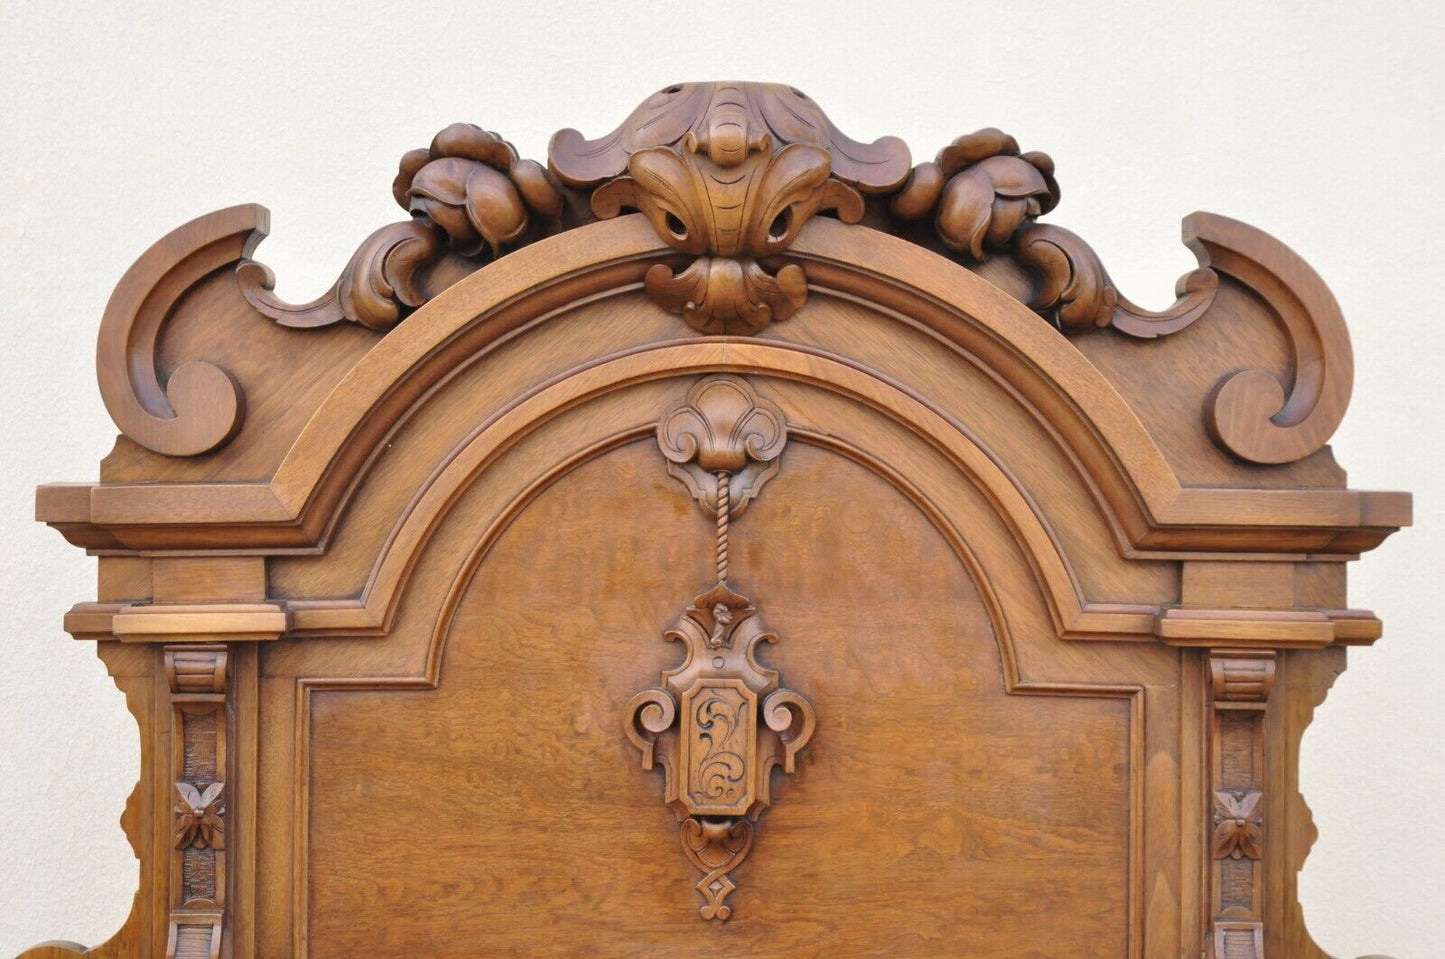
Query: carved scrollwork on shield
x=720, y=722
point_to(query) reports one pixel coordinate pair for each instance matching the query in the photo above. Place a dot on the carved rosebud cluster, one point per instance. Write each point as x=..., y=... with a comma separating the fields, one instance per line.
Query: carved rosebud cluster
x=981, y=189
x=468, y=193
x=985, y=196
x=471, y=183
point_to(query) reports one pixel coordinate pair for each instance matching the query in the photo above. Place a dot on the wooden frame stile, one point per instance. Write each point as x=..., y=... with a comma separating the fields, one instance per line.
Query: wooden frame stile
x=735, y=307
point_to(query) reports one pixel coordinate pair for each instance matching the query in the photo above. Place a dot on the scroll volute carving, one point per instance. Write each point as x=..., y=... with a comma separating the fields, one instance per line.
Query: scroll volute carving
x=720, y=722
x=728, y=173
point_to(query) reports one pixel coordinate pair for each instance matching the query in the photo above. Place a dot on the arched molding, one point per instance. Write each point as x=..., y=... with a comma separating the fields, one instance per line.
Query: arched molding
x=1071, y=612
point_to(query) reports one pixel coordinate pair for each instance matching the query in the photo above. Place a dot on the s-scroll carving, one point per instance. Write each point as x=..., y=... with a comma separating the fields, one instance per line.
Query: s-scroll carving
x=199, y=406
x=1250, y=414
x=720, y=722
x=985, y=196
x=468, y=194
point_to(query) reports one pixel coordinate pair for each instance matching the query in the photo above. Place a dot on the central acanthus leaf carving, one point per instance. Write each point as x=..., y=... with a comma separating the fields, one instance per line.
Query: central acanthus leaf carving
x=749, y=203
x=729, y=173
x=720, y=722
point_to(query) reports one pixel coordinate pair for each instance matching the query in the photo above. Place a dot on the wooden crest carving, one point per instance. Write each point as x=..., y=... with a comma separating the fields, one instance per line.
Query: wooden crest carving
x=728, y=175
x=720, y=722
x=1012, y=497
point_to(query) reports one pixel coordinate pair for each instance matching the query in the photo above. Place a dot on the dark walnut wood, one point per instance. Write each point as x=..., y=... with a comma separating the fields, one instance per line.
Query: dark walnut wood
x=942, y=615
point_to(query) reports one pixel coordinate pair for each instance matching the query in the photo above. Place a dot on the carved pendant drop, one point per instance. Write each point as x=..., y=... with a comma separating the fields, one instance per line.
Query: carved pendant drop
x=720, y=722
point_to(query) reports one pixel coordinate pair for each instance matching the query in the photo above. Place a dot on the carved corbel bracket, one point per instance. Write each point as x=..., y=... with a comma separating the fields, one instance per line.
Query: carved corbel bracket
x=1241, y=679
x=720, y=722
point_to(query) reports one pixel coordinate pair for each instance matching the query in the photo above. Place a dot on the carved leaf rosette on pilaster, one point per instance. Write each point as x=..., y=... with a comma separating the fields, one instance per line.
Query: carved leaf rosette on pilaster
x=720, y=722
x=198, y=682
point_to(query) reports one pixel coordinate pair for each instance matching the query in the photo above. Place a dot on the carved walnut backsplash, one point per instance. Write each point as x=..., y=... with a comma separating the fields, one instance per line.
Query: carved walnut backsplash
x=382, y=576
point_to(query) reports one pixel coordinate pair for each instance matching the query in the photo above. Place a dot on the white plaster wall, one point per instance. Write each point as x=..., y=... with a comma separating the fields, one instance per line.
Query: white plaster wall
x=1319, y=121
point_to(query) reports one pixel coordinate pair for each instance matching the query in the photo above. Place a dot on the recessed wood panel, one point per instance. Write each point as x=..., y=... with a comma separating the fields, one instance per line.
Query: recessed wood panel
x=933, y=813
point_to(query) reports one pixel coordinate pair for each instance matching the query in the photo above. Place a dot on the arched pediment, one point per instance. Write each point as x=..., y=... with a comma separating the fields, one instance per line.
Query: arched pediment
x=1150, y=507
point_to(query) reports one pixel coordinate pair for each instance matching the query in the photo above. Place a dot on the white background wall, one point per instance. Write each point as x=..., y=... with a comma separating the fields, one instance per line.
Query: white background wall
x=1320, y=122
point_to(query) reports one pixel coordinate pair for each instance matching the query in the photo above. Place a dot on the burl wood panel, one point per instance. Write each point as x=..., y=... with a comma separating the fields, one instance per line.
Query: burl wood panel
x=504, y=812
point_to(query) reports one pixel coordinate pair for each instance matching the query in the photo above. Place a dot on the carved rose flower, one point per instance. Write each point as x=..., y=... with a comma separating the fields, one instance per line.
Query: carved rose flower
x=198, y=817
x=470, y=183
x=991, y=190
x=982, y=189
